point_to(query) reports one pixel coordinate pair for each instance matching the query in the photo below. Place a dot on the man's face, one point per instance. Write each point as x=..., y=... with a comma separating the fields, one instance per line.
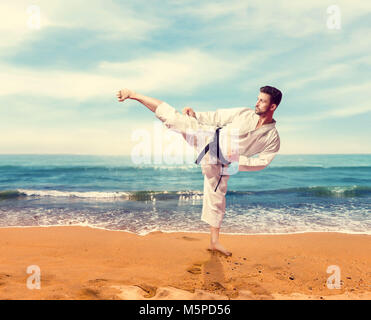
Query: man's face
x=263, y=104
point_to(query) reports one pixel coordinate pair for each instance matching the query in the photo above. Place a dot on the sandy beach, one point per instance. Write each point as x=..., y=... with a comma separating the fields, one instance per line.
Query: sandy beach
x=86, y=263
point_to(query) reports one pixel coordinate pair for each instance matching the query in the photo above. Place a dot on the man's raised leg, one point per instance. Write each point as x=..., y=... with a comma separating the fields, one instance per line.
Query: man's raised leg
x=173, y=120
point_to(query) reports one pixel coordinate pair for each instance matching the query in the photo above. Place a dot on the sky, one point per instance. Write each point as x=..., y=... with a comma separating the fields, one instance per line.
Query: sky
x=62, y=62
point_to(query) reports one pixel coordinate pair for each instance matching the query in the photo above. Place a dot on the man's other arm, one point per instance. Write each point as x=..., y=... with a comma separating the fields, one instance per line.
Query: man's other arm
x=262, y=161
x=220, y=117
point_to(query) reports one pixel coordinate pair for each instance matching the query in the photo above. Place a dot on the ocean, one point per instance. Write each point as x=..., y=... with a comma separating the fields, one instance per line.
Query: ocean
x=296, y=193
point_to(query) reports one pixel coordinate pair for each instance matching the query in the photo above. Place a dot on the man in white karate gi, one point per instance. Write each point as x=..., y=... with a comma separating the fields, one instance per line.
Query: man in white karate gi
x=234, y=136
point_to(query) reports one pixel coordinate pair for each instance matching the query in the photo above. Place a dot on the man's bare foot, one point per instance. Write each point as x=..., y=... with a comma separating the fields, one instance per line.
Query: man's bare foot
x=218, y=247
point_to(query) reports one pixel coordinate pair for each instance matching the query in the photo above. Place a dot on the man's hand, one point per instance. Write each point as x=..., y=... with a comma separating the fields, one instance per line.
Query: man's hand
x=189, y=112
x=124, y=94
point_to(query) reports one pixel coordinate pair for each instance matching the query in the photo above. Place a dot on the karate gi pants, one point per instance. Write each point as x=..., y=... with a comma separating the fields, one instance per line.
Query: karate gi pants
x=214, y=202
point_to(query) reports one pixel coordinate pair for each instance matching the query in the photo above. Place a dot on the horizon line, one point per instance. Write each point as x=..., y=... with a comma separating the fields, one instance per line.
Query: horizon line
x=127, y=155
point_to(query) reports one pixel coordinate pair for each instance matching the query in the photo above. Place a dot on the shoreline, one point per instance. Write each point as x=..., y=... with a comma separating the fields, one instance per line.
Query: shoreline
x=83, y=262
x=192, y=232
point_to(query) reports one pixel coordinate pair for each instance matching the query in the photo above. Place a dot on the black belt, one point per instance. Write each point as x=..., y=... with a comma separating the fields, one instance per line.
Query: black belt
x=214, y=149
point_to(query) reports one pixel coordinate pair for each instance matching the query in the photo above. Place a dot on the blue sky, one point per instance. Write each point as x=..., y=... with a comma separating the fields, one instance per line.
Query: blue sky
x=58, y=82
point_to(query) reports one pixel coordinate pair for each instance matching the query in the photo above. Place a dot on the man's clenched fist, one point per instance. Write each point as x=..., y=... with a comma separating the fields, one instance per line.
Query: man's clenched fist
x=124, y=94
x=189, y=112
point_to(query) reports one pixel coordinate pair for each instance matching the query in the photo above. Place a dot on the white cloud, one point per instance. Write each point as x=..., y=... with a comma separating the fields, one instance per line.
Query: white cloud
x=340, y=112
x=352, y=110
x=333, y=72
x=58, y=84
x=106, y=139
x=14, y=24
x=346, y=100
x=57, y=141
x=352, y=91
x=294, y=144
x=293, y=19
x=349, y=111
x=353, y=44
x=212, y=10
x=340, y=102
x=185, y=70
x=113, y=20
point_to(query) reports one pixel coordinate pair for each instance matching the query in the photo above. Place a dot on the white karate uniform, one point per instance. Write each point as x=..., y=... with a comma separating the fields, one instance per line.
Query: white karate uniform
x=238, y=124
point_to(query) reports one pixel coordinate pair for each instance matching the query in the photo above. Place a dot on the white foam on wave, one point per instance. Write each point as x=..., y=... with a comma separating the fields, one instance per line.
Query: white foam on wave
x=336, y=189
x=184, y=196
x=77, y=194
x=190, y=195
x=253, y=219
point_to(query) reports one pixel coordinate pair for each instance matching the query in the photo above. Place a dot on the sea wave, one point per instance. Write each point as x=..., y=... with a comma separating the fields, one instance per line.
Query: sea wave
x=97, y=168
x=179, y=167
x=121, y=195
x=325, y=191
x=317, y=191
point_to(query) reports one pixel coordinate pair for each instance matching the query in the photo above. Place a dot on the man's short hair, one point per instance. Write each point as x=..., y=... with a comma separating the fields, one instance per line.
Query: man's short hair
x=275, y=94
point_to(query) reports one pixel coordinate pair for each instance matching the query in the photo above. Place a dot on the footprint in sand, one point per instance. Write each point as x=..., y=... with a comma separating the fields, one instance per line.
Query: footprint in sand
x=150, y=290
x=128, y=292
x=97, y=280
x=190, y=238
x=3, y=276
x=90, y=293
x=196, y=268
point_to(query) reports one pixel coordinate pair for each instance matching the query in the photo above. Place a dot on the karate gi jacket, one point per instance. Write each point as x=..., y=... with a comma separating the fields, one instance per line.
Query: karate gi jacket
x=264, y=141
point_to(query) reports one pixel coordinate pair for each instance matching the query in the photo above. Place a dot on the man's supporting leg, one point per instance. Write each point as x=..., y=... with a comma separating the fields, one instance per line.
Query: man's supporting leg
x=214, y=203
x=215, y=244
